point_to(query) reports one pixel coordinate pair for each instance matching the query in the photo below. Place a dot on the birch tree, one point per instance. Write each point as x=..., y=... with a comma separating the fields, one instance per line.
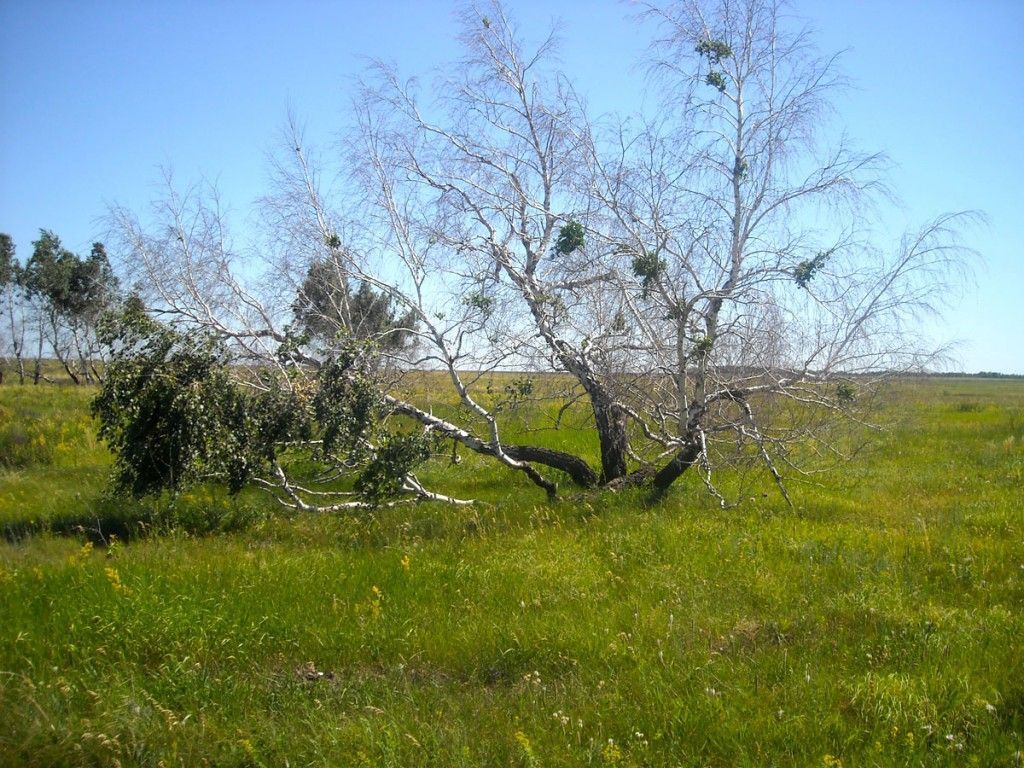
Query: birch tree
x=488, y=173
x=743, y=230
x=703, y=277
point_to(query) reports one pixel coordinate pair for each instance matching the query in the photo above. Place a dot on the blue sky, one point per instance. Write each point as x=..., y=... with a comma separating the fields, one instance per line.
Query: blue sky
x=96, y=96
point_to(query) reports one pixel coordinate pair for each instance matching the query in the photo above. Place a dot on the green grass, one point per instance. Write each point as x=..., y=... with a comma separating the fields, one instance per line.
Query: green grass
x=54, y=471
x=876, y=623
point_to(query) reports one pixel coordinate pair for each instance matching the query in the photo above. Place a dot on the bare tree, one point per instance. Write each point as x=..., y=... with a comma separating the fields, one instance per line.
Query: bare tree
x=284, y=331
x=745, y=263
x=489, y=172
x=706, y=280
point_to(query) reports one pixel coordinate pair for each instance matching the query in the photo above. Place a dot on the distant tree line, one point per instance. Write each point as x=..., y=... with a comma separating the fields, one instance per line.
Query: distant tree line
x=52, y=306
x=978, y=375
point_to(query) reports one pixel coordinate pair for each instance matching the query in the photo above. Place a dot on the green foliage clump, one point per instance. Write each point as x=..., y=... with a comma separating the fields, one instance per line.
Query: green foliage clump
x=513, y=394
x=806, y=270
x=519, y=388
x=276, y=416
x=570, y=238
x=346, y=405
x=649, y=267
x=384, y=474
x=714, y=51
x=168, y=409
x=480, y=301
x=174, y=415
x=351, y=414
x=716, y=80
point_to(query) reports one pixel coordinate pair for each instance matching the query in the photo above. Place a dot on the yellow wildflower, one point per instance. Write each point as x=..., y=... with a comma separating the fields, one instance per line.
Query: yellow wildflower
x=115, y=580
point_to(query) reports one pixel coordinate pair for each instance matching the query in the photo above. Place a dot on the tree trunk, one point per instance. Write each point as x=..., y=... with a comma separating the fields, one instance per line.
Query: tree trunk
x=17, y=342
x=70, y=371
x=681, y=462
x=84, y=367
x=37, y=374
x=576, y=468
x=610, y=420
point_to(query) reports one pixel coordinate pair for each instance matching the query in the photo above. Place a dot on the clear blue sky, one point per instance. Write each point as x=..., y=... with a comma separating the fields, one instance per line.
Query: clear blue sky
x=96, y=96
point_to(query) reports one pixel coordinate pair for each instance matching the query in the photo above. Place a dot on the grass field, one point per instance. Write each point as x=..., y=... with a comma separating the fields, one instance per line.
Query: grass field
x=878, y=622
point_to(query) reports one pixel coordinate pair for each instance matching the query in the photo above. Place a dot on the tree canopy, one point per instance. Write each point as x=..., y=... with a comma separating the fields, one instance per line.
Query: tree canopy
x=57, y=297
x=328, y=311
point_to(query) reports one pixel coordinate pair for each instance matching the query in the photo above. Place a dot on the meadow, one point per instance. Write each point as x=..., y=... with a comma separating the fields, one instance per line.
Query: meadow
x=877, y=622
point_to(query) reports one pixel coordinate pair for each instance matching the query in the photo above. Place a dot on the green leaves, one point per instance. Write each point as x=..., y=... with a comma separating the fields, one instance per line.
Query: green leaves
x=480, y=301
x=347, y=406
x=714, y=51
x=570, y=238
x=512, y=395
x=716, y=80
x=805, y=270
x=351, y=415
x=172, y=411
x=167, y=409
x=649, y=267
x=383, y=476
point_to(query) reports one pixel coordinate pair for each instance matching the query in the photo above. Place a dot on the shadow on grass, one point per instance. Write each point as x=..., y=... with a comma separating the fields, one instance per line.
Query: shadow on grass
x=106, y=518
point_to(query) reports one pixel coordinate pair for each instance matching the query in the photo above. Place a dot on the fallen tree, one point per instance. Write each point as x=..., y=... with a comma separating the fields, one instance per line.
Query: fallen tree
x=679, y=275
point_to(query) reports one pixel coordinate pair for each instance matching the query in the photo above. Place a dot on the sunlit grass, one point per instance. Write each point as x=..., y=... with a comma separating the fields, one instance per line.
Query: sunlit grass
x=877, y=622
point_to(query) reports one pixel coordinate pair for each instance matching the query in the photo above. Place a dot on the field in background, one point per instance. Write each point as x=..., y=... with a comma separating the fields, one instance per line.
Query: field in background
x=878, y=622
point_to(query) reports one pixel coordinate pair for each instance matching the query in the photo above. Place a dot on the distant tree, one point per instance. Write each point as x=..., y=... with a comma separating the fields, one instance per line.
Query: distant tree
x=94, y=285
x=98, y=290
x=10, y=295
x=44, y=278
x=69, y=294
x=331, y=314
x=8, y=262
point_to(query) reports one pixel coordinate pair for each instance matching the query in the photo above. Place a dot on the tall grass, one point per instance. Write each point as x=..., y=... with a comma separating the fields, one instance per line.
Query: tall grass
x=54, y=472
x=877, y=622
